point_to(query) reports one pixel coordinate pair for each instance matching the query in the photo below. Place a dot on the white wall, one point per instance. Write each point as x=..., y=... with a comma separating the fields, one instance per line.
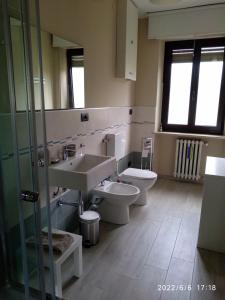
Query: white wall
x=197, y=22
x=64, y=127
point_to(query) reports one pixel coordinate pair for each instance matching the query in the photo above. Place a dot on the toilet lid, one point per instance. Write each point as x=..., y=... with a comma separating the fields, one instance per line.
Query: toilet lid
x=138, y=173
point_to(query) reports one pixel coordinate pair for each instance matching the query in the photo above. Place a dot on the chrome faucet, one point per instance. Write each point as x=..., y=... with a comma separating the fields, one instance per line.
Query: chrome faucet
x=67, y=150
x=102, y=183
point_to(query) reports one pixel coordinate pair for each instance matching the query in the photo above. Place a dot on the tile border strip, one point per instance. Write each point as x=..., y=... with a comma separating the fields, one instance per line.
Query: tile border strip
x=51, y=143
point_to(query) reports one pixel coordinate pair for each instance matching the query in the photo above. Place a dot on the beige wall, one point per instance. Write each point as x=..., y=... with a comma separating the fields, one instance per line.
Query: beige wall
x=54, y=72
x=18, y=67
x=48, y=68
x=148, y=67
x=92, y=24
x=60, y=78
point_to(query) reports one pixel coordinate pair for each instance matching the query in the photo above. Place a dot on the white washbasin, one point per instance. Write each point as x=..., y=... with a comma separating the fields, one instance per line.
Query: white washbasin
x=82, y=172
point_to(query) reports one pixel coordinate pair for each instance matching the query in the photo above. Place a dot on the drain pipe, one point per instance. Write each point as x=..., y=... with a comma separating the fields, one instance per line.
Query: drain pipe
x=79, y=204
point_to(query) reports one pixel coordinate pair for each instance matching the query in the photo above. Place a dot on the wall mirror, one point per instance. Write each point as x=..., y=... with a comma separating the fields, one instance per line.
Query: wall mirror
x=63, y=70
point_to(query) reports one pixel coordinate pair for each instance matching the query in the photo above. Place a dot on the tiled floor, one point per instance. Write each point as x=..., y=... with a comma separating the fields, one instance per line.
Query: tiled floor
x=157, y=247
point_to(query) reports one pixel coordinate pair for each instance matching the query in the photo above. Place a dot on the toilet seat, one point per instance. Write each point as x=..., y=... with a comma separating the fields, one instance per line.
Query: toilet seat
x=139, y=173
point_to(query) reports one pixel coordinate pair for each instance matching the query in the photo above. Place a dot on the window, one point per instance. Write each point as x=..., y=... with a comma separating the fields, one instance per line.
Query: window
x=194, y=86
x=75, y=59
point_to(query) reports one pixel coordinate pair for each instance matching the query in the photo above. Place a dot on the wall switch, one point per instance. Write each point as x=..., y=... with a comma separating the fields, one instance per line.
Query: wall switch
x=84, y=117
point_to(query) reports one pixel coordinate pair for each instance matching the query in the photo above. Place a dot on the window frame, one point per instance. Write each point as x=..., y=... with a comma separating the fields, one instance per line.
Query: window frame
x=70, y=53
x=196, y=45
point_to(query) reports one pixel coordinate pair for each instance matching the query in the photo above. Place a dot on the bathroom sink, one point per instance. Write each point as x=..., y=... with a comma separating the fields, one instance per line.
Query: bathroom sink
x=82, y=172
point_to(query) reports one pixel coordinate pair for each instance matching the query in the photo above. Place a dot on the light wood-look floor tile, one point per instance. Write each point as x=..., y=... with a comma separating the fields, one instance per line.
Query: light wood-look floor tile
x=157, y=247
x=162, y=249
x=178, y=280
x=185, y=247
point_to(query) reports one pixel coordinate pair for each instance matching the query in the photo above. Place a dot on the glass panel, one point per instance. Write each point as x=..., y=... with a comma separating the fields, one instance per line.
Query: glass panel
x=26, y=143
x=10, y=205
x=22, y=134
x=210, y=75
x=180, y=84
x=41, y=278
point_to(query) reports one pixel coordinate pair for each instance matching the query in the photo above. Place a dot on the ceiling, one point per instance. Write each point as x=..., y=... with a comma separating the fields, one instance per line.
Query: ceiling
x=146, y=6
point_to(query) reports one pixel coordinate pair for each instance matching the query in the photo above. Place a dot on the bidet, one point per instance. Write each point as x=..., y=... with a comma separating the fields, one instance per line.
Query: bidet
x=117, y=197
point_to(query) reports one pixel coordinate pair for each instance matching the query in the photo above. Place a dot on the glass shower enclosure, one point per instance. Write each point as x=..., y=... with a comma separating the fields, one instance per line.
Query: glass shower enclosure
x=24, y=194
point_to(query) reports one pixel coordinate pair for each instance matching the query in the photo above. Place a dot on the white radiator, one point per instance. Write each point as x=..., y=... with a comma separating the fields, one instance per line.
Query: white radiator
x=188, y=159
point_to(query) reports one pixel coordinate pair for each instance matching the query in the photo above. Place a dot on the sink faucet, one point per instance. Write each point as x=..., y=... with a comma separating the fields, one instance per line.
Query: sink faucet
x=102, y=183
x=65, y=153
x=82, y=147
x=67, y=150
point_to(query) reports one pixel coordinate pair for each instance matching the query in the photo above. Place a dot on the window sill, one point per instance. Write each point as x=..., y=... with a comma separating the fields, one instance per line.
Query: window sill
x=190, y=135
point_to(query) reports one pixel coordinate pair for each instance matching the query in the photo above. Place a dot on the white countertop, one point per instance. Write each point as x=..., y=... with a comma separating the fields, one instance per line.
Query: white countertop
x=215, y=166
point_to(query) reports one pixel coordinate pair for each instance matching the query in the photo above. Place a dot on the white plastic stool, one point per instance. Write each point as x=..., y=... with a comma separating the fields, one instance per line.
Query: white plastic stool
x=58, y=260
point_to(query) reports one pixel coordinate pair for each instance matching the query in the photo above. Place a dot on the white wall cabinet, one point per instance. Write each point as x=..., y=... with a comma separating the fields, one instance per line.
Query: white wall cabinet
x=127, y=36
x=212, y=223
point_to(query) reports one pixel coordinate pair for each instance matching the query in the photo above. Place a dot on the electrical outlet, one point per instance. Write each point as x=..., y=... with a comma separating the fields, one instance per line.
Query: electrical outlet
x=130, y=111
x=84, y=117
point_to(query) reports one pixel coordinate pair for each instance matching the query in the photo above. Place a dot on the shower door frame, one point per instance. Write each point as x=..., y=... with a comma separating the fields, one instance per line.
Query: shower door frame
x=24, y=5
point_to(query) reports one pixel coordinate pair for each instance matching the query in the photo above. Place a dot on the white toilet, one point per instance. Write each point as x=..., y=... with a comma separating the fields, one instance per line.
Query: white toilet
x=143, y=179
x=117, y=199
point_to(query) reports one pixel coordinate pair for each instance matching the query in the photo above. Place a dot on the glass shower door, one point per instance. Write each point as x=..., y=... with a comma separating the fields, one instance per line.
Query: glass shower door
x=24, y=196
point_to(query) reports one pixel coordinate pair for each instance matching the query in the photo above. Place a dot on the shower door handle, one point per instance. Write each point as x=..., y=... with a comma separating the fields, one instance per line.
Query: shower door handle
x=29, y=196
